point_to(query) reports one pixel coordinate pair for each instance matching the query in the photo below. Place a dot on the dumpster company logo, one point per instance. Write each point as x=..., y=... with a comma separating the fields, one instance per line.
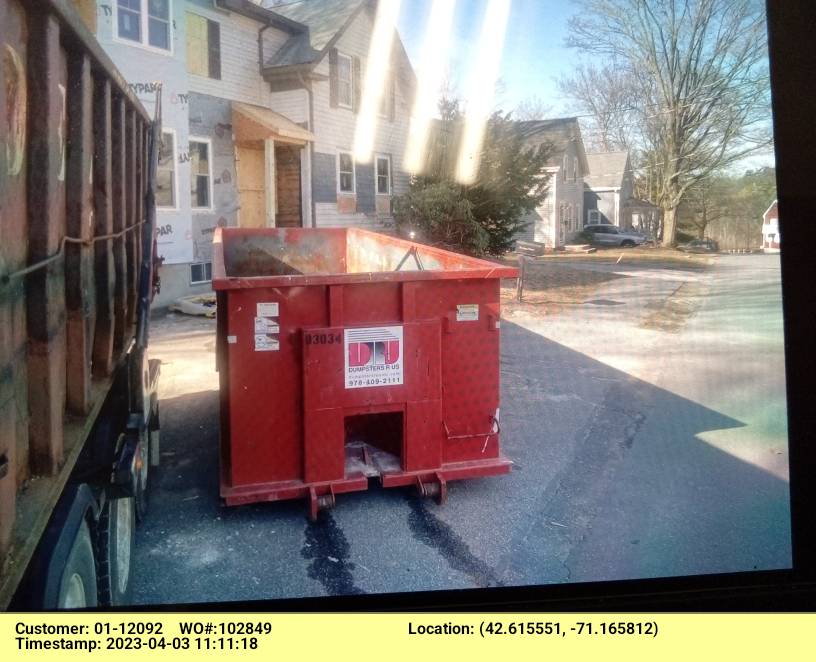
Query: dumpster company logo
x=373, y=356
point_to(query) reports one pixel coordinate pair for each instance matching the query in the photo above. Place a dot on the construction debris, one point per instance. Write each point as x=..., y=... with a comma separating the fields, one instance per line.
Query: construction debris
x=580, y=248
x=199, y=304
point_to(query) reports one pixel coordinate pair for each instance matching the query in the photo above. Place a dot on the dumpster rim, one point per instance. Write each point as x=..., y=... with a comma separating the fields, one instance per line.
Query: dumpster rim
x=481, y=269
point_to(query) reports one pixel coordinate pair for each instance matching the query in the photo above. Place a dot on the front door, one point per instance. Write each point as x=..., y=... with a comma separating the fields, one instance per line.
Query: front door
x=287, y=181
x=251, y=165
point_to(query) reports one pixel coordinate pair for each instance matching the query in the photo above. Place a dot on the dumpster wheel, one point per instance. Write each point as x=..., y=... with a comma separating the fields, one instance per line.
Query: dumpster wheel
x=436, y=487
x=318, y=502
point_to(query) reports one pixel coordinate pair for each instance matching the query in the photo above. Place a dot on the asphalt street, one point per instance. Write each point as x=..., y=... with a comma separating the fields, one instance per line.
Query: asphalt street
x=648, y=434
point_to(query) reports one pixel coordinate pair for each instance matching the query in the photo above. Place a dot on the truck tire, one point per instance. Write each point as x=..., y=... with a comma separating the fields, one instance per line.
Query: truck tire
x=77, y=586
x=628, y=243
x=142, y=480
x=114, y=548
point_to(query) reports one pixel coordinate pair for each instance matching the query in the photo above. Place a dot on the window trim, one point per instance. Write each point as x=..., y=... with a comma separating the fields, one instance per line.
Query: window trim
x=175, y=206
x=208, y=142
x=353, y=190
x=145, y=29
x=385, y=157
x=200, y=282
x=593, y=213
x=350, y=59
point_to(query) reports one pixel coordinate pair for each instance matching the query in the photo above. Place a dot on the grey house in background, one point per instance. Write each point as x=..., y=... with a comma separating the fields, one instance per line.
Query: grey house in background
x=609, y=195
x=607, y=188
x=558, y=217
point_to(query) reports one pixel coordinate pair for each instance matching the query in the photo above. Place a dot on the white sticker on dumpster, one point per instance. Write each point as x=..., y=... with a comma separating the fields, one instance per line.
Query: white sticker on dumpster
x=265, y=343
x=374, y=356
x=266, y=325
x=467, y=312
x=267, y=309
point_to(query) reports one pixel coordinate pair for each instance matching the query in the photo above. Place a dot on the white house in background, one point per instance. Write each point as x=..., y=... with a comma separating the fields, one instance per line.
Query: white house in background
x=771, y=238
x=260, y=105
x=560, y=216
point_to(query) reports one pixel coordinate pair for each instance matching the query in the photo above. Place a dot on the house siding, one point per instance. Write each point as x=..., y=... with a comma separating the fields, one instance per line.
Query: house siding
x=364, y=173
x=604, y=202
x=294, y=104
x=210, y=117
x=143, y=68
x=240, y=74
x=335, y=129
x=324, y=168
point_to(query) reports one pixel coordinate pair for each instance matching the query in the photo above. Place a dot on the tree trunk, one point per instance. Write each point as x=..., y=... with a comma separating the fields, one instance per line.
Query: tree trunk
x=669, y=226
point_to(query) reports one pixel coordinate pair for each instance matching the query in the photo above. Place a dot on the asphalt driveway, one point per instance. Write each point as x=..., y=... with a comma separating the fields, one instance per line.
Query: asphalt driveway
x=646, y=426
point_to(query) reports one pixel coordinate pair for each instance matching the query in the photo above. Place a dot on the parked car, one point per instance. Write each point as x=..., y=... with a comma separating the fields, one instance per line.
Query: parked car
x=700, y=246
x=611, y=235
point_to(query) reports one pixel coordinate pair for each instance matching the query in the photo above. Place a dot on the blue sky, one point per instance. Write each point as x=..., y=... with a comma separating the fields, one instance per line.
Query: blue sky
x=534, y=52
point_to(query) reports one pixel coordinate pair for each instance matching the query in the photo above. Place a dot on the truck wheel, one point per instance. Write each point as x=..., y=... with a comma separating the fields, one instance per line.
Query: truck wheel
x=628, y=243
x=77, y=587
x=114, y=545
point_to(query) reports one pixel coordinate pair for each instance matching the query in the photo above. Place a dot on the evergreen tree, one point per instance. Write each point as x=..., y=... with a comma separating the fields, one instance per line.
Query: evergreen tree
x=485, y=216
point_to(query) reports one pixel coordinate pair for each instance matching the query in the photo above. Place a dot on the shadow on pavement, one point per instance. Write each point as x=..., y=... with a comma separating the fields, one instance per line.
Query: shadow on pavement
x=610, y=482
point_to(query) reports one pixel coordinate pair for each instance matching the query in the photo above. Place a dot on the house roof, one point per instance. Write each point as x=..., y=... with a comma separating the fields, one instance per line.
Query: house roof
x=257, y=123
x=559, y=132
x=774, y=205
x=606, y=169
x=325, y=21
x=638, y=203
x=254, y=9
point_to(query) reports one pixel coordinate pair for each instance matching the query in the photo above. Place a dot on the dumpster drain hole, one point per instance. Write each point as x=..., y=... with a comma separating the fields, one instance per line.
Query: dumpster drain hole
x=373, y=443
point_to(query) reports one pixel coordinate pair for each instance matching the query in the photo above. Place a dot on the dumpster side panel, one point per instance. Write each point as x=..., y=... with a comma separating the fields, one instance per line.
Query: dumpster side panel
x=265, y=385
x=470, y=363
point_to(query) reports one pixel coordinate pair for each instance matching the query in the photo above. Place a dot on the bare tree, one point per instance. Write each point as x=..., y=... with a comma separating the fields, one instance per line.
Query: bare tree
x=532, y=108
x=608, y=97
x=705, y=203
x=703, y=93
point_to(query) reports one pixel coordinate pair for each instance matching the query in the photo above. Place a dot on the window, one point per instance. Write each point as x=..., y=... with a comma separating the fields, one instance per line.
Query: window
x=144, y=21
x=564, y=167
x=200, y=174
x=593, y=216
x=166, y=173
x=203, y=47
x=200, y=272
x=344, y=80
x=574, y=170
x=345, y=173
x=383, y=175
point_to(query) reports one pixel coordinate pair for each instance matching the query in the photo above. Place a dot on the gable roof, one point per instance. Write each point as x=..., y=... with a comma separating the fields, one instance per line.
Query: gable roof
x=559, y=132
x=325, y=22
x=774, y=207
x=606, y=169
x=254, y=9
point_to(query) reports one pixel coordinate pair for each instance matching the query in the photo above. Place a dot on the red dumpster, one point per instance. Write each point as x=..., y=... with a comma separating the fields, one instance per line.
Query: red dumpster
x=345, y=355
